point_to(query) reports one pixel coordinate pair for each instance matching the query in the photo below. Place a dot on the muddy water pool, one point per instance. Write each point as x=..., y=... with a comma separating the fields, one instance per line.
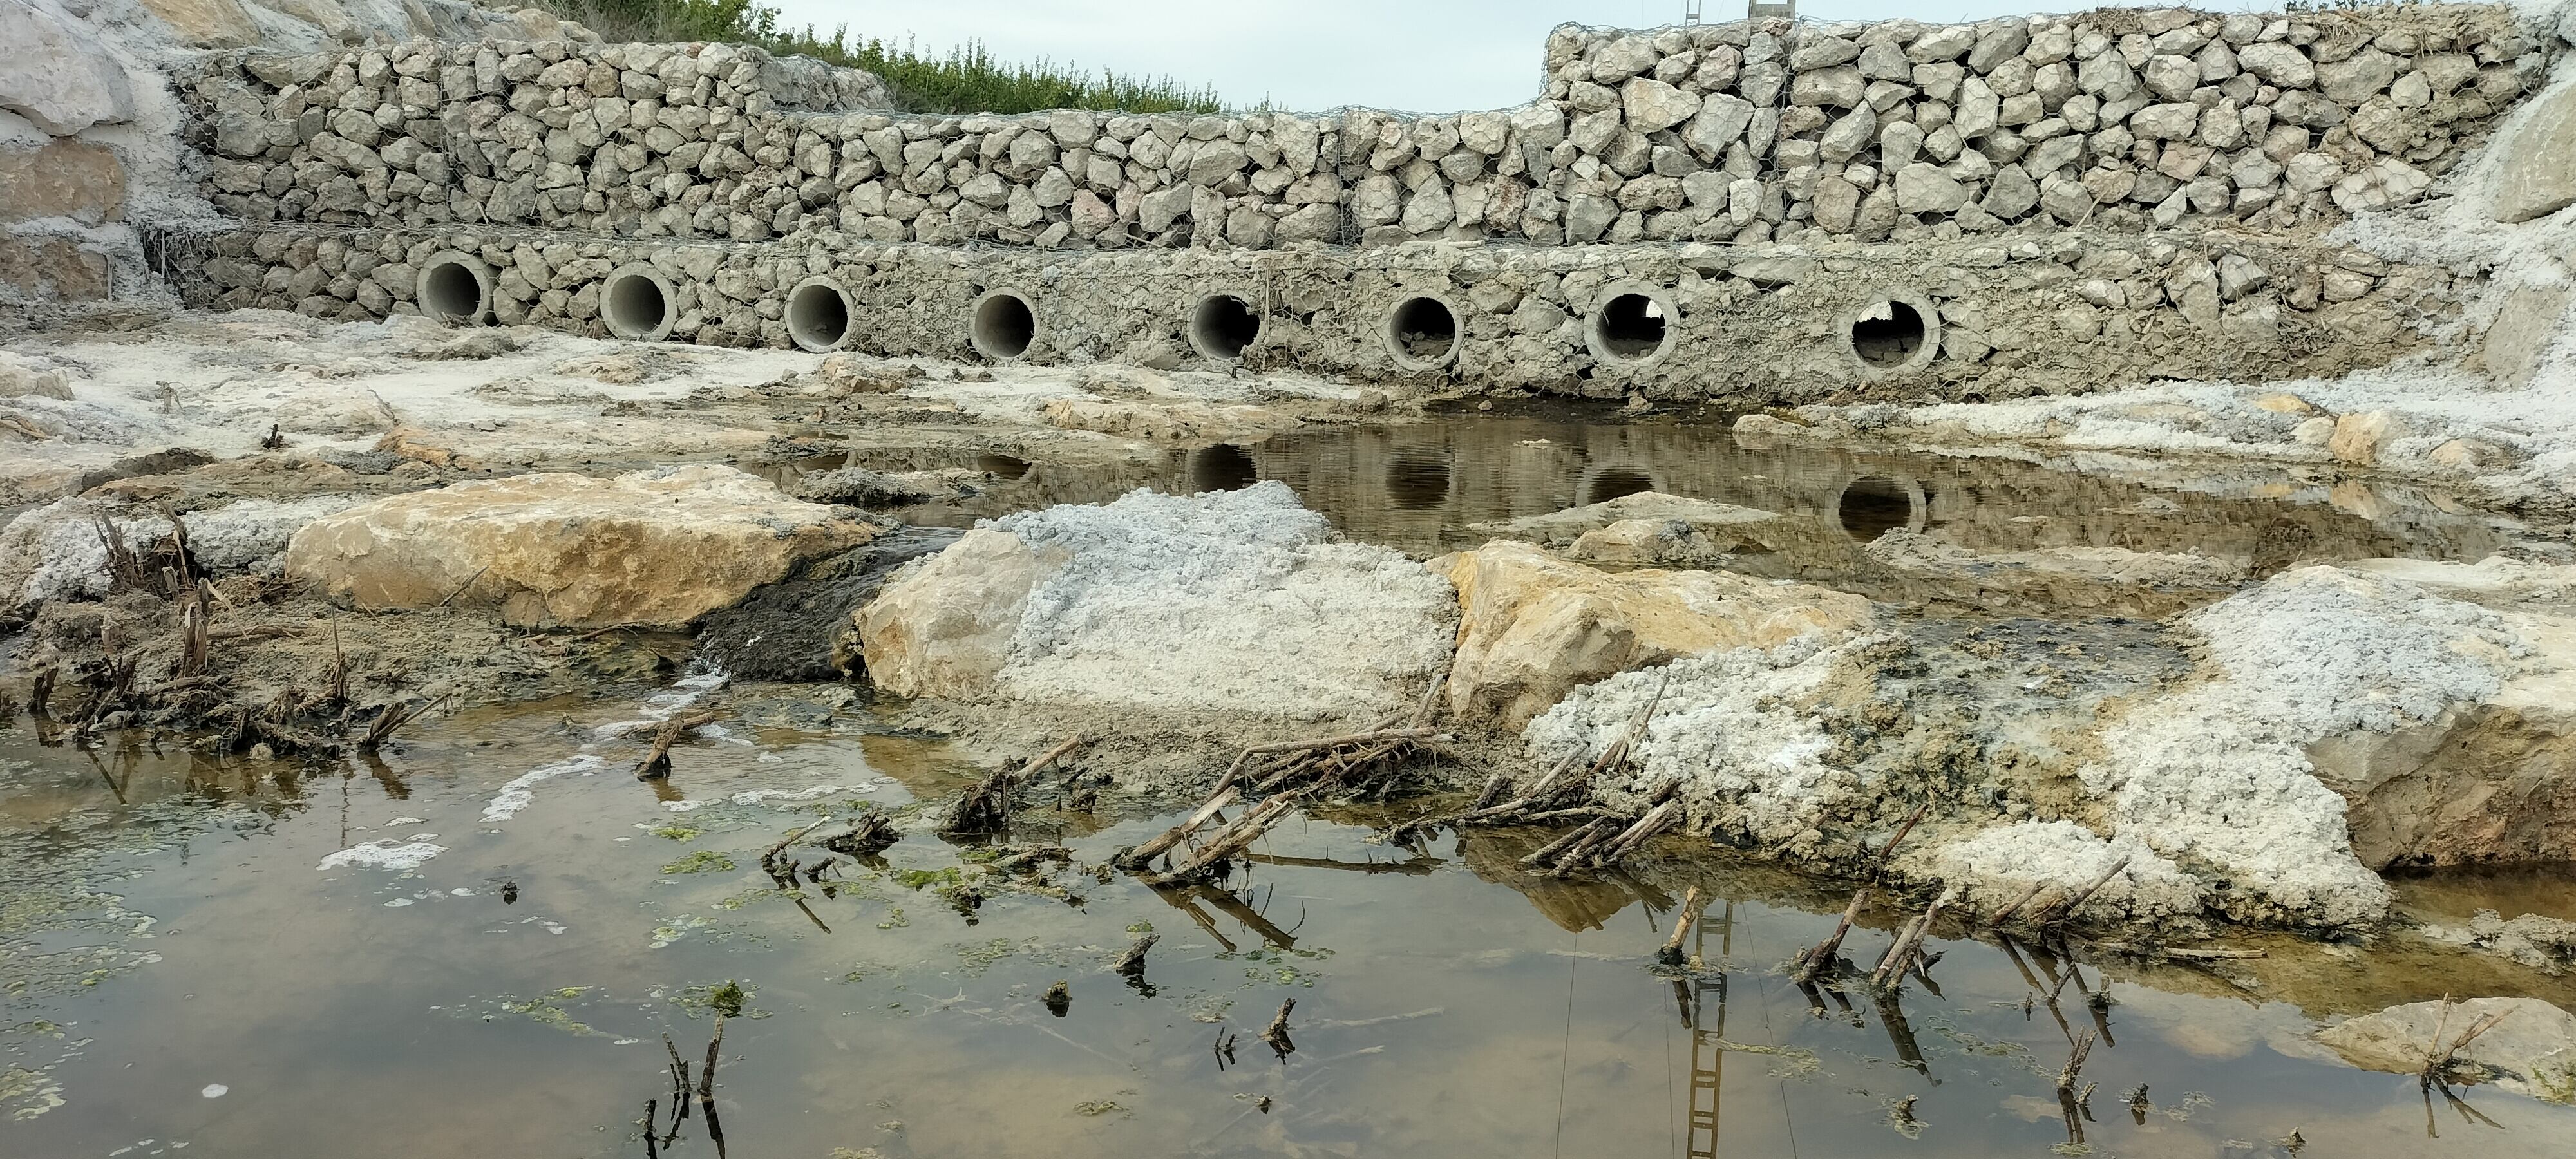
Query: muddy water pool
x=193, y=963
x=1442, y=484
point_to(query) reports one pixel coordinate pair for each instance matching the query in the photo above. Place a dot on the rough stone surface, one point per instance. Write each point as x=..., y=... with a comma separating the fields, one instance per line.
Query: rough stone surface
x=2539, y=174
x=660, y=547
x=56, y=75
x=1231, y=601
x=1533, y=626
x=66, y=178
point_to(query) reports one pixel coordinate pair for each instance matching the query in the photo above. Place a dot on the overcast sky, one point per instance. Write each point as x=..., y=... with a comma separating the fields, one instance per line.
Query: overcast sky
x=1431, y=56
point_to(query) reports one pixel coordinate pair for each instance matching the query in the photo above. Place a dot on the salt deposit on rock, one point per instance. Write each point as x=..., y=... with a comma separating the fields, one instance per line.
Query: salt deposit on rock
x=2333, y=721
x=54, y=551
x=650, y=547
x=1723, y=525
x=1230, y=601
x=2218, y=773
x=1999, y=865
x=1533, y=626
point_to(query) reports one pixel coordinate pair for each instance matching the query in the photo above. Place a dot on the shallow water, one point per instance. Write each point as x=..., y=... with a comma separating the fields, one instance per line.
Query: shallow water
x=1426, y=486
x=183, y=972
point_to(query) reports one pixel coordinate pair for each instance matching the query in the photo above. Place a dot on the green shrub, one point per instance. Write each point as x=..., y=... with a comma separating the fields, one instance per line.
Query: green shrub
x=967, y=80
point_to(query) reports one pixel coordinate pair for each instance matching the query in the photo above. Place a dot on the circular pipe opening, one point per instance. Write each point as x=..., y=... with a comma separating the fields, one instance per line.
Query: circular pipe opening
x=1003, y=326
x=1223, y=467
x=818, y=315
x=1633, y=324
x=1887, y=334
x=1873, y=505
x=636, y=302
x=454, y=289
x=1610, y=483
x=1223, y=326
x=1422, y=333
x=1893, y=334
x=1417, y=480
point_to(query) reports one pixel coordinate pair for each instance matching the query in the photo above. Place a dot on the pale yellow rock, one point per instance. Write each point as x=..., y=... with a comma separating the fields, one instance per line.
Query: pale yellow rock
x=2315, y=432
x=2358, y=438
x=2522, y=333
x=207, y=23
x=660, y=547
x=2470, y=455
x=2287, y=404
x=943, y=627
x=1533, y=627
x=1645, y=542
x=1727, y=527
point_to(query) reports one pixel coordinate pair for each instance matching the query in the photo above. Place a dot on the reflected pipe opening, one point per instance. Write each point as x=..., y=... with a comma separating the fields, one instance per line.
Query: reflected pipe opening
x=1630, y=327
x=636, y=304
x=1004, y=326
x=1224, y=326
x=818, y=315
x=1422, y=333
x=454, y=289
x=1874, y=505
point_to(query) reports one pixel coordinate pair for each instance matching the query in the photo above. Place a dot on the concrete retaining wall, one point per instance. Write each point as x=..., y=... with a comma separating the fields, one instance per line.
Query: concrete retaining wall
x=2001, y=318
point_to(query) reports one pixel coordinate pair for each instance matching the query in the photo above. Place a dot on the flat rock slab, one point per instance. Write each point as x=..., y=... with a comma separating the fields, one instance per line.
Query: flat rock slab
x=660, y=547
x=2532, y=1049
x=1725, y=524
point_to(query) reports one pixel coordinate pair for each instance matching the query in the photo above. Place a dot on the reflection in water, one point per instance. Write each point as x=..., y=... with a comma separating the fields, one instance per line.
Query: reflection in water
x=1417, y=480
x=530, y=970
x=1612, y=482
x=1435, y=486
x=1223, y=467
x=1873, y=506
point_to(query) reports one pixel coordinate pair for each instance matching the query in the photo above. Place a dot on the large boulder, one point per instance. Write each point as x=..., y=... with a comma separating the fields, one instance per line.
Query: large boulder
x=1231, y=601
x=2539, y=173
x=1533, y=626
x=660, y=547
x=55, y=73
x=2531, y=1047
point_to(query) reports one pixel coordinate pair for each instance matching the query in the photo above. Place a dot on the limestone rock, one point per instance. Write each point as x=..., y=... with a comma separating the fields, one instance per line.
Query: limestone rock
x=2358, y=437
x=1730, y=526
x=65, y=178
x=57, y=75
x=1923, y=187
x=2531, y=1050
x=2539, y=173
x=1653, y=106
x=944, y=628
x=209, y=23
x=1534, y=627
x=660, y=547
x=1240, y=602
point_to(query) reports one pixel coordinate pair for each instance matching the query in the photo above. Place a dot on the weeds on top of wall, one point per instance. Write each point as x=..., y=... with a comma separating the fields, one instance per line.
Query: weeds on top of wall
x=966, y=80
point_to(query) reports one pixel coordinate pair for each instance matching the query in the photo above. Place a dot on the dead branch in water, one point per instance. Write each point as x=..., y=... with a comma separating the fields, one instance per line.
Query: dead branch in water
x=1671, y=953
x=393, y=717
x=1360, y=763
x=1276, y=1034
x=707, y=1076
x=657, y=764
x=1132, y=963
x=2074, y=1063
x=2445, y=1052
x=1909, y=944
x=986, y=808
x=1815, y=961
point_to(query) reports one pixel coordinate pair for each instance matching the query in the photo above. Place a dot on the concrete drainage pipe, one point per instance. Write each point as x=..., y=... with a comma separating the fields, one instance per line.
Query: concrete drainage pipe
x=1003, y=325
x=1422, y=333
x=1223, y=326
x=1894, y=334
x=1633, y=324
x=818, y=315
x=454, y=289
x=637, y=303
